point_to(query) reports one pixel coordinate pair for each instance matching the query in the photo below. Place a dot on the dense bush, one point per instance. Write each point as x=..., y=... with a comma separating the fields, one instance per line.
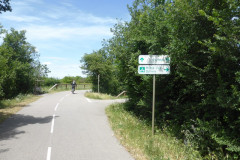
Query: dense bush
x=50, y=81
x=100, y=67
x=78, y=79
x=20, y=68
x=200, y=99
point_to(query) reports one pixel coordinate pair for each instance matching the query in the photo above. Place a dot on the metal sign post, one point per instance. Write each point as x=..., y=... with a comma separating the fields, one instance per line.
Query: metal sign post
x=153, y=105
x=98, y=82
x=156, y=64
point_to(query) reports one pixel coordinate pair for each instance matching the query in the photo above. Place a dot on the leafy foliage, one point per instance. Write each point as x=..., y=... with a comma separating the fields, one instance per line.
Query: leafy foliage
x=20, y=67
x=49, y=81
x=78, y=79
x=200, y=98
x=101, y=64
x=5, y=6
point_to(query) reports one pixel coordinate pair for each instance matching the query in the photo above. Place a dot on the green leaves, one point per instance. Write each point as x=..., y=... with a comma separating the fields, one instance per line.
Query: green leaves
x=19, y=67
x=5, y=6
x=202, y=39
x=103, y=64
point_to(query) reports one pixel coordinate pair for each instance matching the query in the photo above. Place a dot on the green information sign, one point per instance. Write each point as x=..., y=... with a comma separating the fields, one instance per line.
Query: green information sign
x=154, y=69
x=154, y=64
x=154, y=59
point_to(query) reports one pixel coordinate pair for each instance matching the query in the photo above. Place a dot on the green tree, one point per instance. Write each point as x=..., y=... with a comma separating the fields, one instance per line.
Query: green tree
x=20, y=67
x=68, y=79
x=49, y=81
x=5, y=6
x=200, y=98
x=102, y=63
x=202, y=91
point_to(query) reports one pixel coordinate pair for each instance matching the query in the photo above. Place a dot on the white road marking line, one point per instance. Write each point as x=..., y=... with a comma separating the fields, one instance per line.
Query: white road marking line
x=49, y=153
x=67, y=95
x=52, y=127
x=89, y=100
x=61, y=99
x=56, y=107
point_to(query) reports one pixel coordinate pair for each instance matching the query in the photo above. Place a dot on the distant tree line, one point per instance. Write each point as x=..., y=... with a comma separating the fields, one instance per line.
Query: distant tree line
x=50, y=81
x=200, y=100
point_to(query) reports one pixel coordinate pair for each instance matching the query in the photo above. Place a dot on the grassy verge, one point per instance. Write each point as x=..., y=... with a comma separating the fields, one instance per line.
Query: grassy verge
x=60, y=89
x=101, y=96
x=137, y=137
x=12, y=106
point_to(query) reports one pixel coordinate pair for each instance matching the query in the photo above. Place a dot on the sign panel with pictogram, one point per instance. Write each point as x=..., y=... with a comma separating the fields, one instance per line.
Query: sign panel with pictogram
x=154, y=59
x=153, y=64
x=154, y=69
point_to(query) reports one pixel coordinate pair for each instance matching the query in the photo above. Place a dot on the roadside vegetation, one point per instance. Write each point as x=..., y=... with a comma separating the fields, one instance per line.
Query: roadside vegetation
x=20, y=68
x=65, y=87
x=200, y=98
x=136, y=136
x=199, y=101
x=101, y=96
x=9, y=107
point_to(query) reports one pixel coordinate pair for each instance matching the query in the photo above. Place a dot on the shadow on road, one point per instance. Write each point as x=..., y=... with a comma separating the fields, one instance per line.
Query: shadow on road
x=3, y=150
x=9, y=128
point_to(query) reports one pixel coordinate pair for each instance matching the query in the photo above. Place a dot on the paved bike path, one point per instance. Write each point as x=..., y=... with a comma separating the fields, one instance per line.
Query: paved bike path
x=61, y=126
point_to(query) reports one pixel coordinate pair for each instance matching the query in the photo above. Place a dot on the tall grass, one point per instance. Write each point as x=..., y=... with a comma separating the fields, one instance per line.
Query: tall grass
x=101, y=96
x=136, y=136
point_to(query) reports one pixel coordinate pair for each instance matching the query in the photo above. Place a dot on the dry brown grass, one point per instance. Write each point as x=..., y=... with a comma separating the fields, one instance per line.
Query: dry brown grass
x=101, y=96
x=10, y=107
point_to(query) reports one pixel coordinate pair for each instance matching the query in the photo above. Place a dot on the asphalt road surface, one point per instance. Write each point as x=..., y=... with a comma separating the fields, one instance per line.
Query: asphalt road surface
x=61, y=126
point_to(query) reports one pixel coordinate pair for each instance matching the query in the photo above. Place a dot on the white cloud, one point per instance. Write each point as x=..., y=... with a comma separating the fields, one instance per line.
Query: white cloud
x=53, y=13
x=60, y=71
x=66, y=4
x=35, y=1
x=71, y=16
x=58, y=21
x=22, y=18
x=47, y=63
x=20, y=7
x=61, y=32
x=38, y=32
x=97, y=20
x=54, y=58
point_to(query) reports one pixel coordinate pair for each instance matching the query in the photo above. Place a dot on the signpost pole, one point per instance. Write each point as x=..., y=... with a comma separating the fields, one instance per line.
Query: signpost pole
x=153, y=105
x=155, y=64
x=98, y=82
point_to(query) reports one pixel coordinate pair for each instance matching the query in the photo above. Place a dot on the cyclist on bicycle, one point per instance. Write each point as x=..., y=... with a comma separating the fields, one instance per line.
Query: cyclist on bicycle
x=73, y=86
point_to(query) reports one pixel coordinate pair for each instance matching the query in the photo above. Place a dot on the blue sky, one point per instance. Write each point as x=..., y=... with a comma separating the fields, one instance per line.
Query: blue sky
x=63, y=30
